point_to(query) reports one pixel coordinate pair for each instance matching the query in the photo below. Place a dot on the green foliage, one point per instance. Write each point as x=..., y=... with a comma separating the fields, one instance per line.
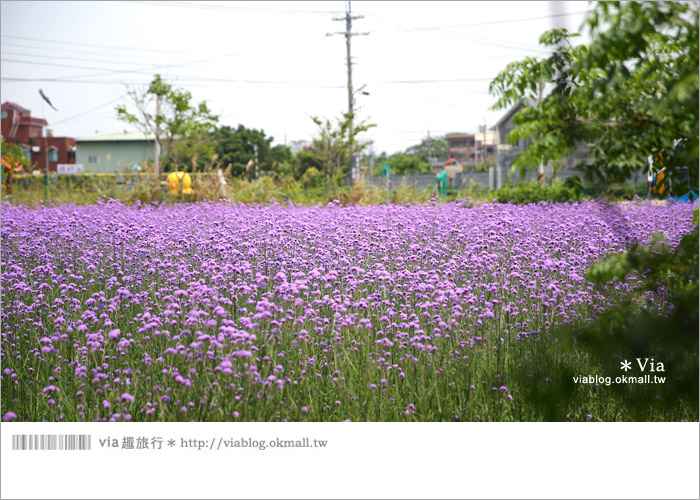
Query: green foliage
x=435, y=147
x=281, y=154
x=478, y=167
x=631, y=92
x=404, y=164
x=236, y=147
x=126, y=187
x=182, y=127
x=612, y=192
x=304, y=160
x=532, y=192
x=575, y=184
x=284, y=169
x=633, y=329
x=312, y=179
x=378, y=160
x=14, y=154
x=332, y=147
x=311, y=190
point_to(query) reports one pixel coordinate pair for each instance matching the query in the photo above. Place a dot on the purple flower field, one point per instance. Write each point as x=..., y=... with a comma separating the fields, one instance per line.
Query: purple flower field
x=218, y=311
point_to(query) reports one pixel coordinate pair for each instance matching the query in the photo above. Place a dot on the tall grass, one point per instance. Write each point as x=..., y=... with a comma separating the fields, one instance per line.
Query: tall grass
x=144, y=187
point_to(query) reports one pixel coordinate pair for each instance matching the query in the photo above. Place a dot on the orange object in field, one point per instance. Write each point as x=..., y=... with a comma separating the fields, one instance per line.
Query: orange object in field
x=660, y=185
x=8, y=166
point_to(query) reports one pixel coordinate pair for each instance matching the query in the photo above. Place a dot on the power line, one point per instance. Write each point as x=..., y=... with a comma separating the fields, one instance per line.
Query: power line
x=59, y=80
x=428, y=100
x=228, y=7
x=453, y=80
x=376, y=132
x=191, y=79
x=103, y=60
x=74, y=51
x=430, y=28
x=505, y=43
x=192, y=82
x=137, y=49
x=91, y=110
x=106, y=71
x=109, y=71
x=485, y=42
x=475, y=40
x=473, y=91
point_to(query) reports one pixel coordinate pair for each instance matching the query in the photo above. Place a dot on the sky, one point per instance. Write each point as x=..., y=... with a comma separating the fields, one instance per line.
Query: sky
x=270, y=65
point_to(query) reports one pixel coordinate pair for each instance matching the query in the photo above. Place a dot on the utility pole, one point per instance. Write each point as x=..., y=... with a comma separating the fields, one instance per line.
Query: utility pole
x=156, y=134
x=348, y=18
x=46, y=157
x=46, y=148
x=257, y=162
x=484, y=143
x=431, y=157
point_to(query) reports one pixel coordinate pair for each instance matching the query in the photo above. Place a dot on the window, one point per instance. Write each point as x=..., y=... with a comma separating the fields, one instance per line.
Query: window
x=53, y=154
x=27, y=152
x=92, y=159
x=4, y=114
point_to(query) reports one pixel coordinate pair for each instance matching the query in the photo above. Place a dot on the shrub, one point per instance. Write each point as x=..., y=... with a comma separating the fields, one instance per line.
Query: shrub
x=533, y=193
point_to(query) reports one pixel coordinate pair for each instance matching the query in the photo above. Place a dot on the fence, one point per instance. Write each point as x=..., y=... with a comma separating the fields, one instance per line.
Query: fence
x=86, y=188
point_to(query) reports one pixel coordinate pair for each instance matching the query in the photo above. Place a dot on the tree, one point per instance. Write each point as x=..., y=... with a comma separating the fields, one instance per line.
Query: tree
x=13, y=159
x=634, y=327
x=305, y=160
x=168, y=113
x=631, y=92
x=237, y=147
x=13, y=155
x=429, y=148
x=333, y=145
x=404, y=164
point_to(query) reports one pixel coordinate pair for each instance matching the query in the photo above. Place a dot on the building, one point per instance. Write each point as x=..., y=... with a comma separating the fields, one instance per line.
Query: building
x=107, y=153
x=469, y=148
x=37, y=142
x=506, y=151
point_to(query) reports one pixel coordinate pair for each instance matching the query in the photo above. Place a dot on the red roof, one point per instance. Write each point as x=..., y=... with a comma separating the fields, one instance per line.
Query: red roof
x=28, y=120
x=12, y=105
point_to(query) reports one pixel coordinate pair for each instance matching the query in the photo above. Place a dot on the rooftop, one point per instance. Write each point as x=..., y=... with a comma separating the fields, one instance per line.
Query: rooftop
x=514, y=109
x=29, y=120
x=12, y=105
x=124, y=136
x=479, y=136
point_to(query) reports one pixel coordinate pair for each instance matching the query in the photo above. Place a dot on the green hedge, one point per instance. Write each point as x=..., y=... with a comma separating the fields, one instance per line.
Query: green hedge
x=572, y=190
x=532, y=193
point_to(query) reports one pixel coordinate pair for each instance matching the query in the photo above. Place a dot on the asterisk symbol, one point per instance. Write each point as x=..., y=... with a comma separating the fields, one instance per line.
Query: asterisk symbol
x=625, y=365
x=171, y=442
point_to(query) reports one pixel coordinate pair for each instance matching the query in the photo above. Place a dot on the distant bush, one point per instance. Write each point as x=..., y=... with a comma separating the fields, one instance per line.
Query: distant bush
x=533, y=193
x=610, y=192
x=312, y=178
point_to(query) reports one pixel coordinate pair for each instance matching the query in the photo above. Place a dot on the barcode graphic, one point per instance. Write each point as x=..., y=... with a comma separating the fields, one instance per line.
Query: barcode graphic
x=51, y=442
